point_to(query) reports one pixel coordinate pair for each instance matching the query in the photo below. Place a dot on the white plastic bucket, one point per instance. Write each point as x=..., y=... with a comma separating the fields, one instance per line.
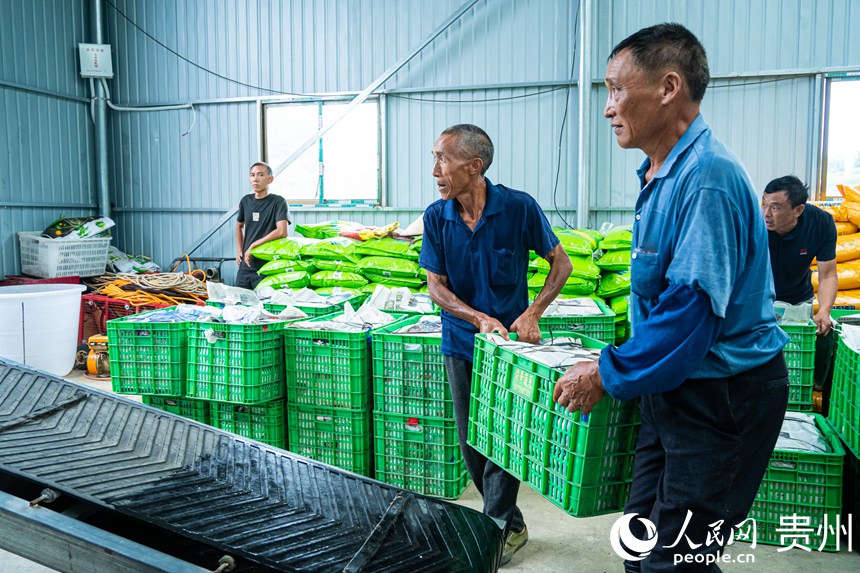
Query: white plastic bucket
x=39, y=325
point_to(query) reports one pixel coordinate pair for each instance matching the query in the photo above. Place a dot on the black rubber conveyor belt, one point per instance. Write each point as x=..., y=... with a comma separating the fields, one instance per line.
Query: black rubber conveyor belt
x=252, y=501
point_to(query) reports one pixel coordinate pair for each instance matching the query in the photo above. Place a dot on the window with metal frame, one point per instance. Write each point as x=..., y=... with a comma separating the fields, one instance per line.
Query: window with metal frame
x=840, y=148
x=342, y=168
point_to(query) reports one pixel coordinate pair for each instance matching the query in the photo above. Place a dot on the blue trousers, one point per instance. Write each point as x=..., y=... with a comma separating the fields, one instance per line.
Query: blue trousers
x=498, y=488
x=704, y=447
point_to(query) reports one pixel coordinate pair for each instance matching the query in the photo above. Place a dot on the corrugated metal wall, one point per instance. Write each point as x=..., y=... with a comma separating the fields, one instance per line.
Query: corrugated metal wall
x=46, y=167
x=168, y=189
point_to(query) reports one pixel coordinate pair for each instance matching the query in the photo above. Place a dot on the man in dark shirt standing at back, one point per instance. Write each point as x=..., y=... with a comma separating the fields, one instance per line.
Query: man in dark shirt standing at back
x=797, y=233
x=262, y=217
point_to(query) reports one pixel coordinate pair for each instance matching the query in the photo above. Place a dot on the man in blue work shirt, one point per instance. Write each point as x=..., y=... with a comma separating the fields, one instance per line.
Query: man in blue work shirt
x=477, y=239
x=797, y=233
x=706, y=352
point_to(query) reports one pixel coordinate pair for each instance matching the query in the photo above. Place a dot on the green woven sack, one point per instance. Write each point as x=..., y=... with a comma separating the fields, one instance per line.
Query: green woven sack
x=573, y=285
x=285, y=248
x=386, y=247
x=619, y=305
x=614, y=284
x=328, y=291
x=335, y=248
x=620, y=237
x=286, y=266
x=334, y=265
x=394, y=281
x=617, y=260
x=388, y=267
x=327, y=229
x=296, y=279
x=337, y=278
x=575, y=243
x=583, y=267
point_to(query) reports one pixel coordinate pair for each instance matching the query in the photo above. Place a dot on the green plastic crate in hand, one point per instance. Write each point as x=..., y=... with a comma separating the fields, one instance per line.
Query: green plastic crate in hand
x=197, y=410
x=419, y=454
x=333, y=436
x=262, y=422
x=582, y=464
x=240, y=363
x=844, y=410
x=409, y=373
x=147, y=357
x=801, y=488
x=599, y=327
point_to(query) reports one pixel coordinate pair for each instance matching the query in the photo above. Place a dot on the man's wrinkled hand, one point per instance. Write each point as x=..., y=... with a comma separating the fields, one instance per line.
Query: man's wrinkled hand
x=489, y=324
x=580, y=387
x=823, y=323
x=527, y=329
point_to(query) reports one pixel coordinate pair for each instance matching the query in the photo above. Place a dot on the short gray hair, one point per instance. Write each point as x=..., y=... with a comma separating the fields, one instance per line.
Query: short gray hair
x=472, y=141
x=266, y=165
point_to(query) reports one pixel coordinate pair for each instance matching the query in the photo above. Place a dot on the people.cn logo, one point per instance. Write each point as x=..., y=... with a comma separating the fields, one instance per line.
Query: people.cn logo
x=628, y=546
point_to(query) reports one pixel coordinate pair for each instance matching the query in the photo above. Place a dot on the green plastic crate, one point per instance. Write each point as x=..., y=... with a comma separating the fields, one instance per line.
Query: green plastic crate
x=801, y=382
x=262, y=422
x=583, y=464
x=800, y=358
x=147, y=357
x=598, y=327
x=311, y=311
x=333, y=436
x=419, y=454
x=844, y=411
x=244, y=364
x=409, y=373
x=328, y=368
x=803, y=484
x=197, y=410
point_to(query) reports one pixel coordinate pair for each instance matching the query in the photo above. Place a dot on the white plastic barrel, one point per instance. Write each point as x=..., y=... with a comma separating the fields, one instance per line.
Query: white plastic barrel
x=39, y=325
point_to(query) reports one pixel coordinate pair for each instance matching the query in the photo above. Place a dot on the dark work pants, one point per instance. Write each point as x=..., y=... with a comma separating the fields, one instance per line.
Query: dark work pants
x=823, y=373
x=704, y=447
x=498, y=488
x=247, y=278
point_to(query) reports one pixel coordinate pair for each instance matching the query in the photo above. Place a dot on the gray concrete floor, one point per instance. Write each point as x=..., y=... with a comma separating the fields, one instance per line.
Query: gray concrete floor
x=559, y=543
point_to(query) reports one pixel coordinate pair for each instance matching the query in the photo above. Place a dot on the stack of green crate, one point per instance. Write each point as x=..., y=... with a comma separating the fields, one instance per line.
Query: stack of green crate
x=600, y=327
x=147, y=358
x=415, y=435
x=328, y=395
x=239, y=368
x=581, y=463
x=197, y=410
x=800, y=359
x=801, y=495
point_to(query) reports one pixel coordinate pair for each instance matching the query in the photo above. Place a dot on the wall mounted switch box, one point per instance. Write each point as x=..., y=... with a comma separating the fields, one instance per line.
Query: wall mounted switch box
x=95, y=60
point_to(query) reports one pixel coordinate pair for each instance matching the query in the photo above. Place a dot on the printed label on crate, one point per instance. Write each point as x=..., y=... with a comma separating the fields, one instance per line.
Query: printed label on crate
x=521, y=383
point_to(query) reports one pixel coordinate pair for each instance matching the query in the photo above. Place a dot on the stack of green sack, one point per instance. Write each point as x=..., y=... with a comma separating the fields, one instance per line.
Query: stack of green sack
x=286, y=266
x=580, y=245
x=615, y=276
x=327, y=262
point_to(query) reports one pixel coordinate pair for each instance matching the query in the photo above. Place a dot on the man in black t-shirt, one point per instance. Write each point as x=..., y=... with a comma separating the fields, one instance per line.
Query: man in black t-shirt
x=262, y=217
x=797, y=234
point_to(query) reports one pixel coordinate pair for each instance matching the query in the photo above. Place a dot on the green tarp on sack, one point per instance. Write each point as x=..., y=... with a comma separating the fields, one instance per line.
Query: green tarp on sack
x=285, y=280
x=286, y=266
x=388, y=266
x=337, y=278
x=386, y=247
x=617, y=260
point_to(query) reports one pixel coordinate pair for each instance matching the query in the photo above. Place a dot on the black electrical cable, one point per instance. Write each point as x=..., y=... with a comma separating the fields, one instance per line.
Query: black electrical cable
x=196, y=65
x=564, y=121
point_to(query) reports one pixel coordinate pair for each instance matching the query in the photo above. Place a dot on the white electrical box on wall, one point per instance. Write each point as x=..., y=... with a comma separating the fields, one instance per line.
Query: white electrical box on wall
x=95, y=61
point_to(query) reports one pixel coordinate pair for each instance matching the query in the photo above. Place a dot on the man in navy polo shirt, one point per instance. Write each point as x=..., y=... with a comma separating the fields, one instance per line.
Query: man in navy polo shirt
x=796, y=234
x=477, y=239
